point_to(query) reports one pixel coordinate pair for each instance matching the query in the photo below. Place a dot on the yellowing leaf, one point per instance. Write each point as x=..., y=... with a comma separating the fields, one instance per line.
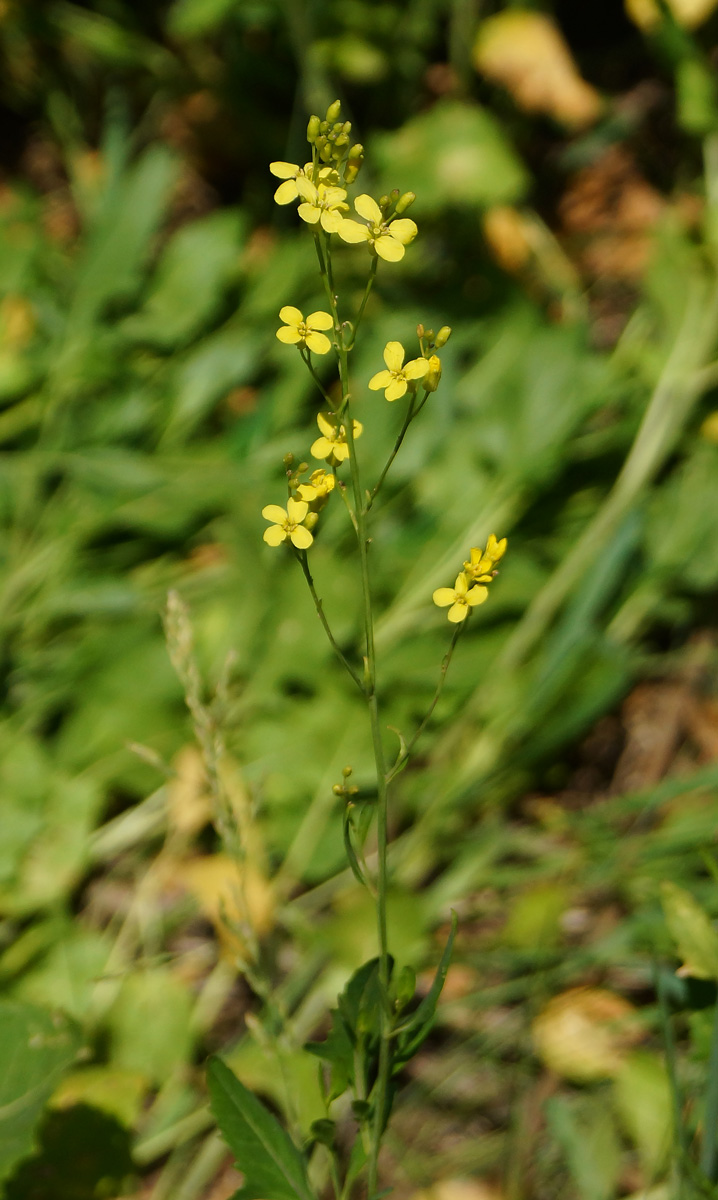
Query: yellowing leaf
x=232, y=895
x=693, y=932
x=691, y=13
x=643, y=1099
x=188, y=804
x=526, y=53
x=584, y=1033
x=460, y=1189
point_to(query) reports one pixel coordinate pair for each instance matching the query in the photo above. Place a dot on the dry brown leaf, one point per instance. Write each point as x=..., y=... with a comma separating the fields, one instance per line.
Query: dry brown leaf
x=526, y=53
x=506, y=236
x=585, y=1033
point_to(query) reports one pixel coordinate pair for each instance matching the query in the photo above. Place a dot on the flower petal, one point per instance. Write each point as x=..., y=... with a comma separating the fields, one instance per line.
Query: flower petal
x=462, y=584
x=382, y=379
x=275, y=535
x=331, y=220
x=340, y=451
x=301, y=538
x=297, y=509
x=320, y=320
x=368, y=208
x=272, y=512
x=403, y=230
x=286, y=192
x=458, y=612
x=476, y=595
x=396, y=389
x=290, y=315
x=289, y=335
x=388, y=248
x=306, y=189
x=394, y=355
x=318, y=343
x=444, y=596
x=284, y=170
x=332, y=195
x=357, y=428
x=309, y=213
x=326, y=425
x=352, y=232
x=417, y=368
x=322, y=448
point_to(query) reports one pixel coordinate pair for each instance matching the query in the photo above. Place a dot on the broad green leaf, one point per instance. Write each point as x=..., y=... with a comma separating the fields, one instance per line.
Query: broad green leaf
x=142, y=1043
x=270, y=1162
x=452, y=155
x=643, y=1100
x=36, y=1046
x=692, y=930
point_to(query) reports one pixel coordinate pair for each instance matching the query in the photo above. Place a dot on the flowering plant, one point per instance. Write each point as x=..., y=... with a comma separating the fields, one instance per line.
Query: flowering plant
x=378, y=1024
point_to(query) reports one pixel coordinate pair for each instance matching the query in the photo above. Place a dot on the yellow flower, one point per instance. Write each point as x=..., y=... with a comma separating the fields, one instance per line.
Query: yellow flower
x=323, y=204
x=297, y=332
x=332, y=445
x=482, y=562
x=461, y=598
x=396, y=378
x=287, y=524
x=317, y=490
x=385, y=238
x=290, y=173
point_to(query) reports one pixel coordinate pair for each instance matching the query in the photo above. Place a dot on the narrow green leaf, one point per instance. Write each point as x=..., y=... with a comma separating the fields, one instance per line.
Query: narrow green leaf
x=417, y=1027
x=267, y=1157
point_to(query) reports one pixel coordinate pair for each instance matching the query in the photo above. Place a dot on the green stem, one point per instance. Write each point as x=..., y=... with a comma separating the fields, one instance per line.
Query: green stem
x=404, y=755
x=306, y=359
x=410, y=414
x=709, y=1165
x=382, y=1081
x=362, y=306
x=302, y=560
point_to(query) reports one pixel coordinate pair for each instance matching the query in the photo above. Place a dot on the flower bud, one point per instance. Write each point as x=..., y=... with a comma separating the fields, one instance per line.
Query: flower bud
x=431, y=380
x=420, y=330
x=443, y=336
x=312, y=129
x=384, y=201
x=310, y=520
x=326, y=152
x=303, y=467
x=341, y=140
x=347, y=127
x=357, y=151
x=394, y=195
x=346, y=771
x=324, y=127
x=338, y=789
x=288, y=461
x=429, y=335
x=334, y=112
x=405, y=202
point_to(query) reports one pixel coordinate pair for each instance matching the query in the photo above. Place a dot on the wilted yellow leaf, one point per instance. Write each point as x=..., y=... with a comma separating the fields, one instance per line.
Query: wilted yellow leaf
x=188, y=803
x=526, y=53
x=460, y=1189
x=691, y=13
x=693, y=932
x=231, y=895
x=585, y=1033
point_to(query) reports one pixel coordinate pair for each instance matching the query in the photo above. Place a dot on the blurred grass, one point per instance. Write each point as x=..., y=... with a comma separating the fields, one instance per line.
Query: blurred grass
x=146, y=408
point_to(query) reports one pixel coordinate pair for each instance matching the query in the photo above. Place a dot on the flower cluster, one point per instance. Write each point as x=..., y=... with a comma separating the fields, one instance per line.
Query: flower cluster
x=470, y=588
x=321, y=186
